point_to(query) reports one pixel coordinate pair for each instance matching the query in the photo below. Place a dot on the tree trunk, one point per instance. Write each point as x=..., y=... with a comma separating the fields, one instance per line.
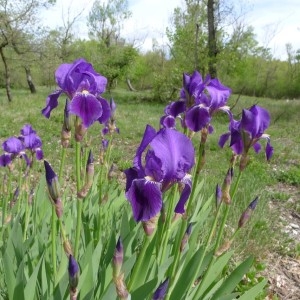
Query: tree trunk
x=212, y=43
x=29, y=80
x=131, y=88
x=7, y=76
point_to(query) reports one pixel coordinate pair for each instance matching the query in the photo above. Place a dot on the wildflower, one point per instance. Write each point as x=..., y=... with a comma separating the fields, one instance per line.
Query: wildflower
x=247, y=132
x=33, y=143
x=167, y=161
x=161, y=291
x=13, y=148
x=209, y=96
x=199, y=100
x=247, y=213
x=83, y=86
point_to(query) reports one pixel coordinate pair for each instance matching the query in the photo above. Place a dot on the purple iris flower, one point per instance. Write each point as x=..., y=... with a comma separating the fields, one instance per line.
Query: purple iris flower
x=169, y=158
x=110, y=126
x=247, y=132
x=209, y=96
x=13, y=148
x=83, y=86
x=199, y=100
x=31, y=141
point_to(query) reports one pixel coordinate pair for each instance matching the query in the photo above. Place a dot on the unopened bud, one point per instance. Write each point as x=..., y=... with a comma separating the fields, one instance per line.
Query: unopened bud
x=161, y=291
x=150, y=225
x=118, y=259
x=247, y=213
x=226, y=186
x=52, y=182
x=186, y=237
x=73, y=270
x=218, y=196
x=80, y=131
x=223, y=248
x=88, y=178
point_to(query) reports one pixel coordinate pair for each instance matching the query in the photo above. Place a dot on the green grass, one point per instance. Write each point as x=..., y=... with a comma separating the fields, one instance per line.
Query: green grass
x=133, y=113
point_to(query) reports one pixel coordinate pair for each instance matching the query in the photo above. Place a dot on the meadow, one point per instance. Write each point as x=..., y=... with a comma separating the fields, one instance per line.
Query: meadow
x=274, y=182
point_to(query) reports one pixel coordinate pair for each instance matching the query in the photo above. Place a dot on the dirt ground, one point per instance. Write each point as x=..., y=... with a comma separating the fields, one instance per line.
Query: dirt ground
x=283, y=270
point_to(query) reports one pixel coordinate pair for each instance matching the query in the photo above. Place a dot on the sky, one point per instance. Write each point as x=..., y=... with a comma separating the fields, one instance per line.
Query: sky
x=275, y=22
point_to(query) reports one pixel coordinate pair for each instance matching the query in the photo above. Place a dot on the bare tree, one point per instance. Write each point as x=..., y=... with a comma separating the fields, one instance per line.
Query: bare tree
x=17, y=18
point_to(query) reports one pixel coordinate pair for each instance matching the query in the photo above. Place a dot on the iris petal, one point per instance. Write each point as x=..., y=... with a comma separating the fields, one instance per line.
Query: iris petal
x=269, y=151
x=145, y=198
x=197, y=117
x=13, y=145
x=105, y=111
x=187, y=181
x=175, y=151
x=51, y=103
x=87, y=107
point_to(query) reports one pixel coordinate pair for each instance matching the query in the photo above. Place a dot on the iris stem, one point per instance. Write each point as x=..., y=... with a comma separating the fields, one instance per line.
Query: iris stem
x=177, y=253
x=79, y=201
x=62, y=163
x=220, y=235
x=167, y=228
x=4, y=210
x=195, y=178
x=133, y=281
x=53, y=242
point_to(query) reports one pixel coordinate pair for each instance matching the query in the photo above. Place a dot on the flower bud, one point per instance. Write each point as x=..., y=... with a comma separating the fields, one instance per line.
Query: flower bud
x=52, y=182
x=186, y=237
x=14, y=198
x=80, y=131
x=247, y=213
x=89, y=177
x=226, y=186
x=150, y=225
x=161, y=291
x=53, y=188
x=218, y=195
x=118, y=259
x=67, y=120
x=73, y=270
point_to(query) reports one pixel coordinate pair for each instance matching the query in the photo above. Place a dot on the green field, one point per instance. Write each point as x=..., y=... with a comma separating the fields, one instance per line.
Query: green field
x=275, y=182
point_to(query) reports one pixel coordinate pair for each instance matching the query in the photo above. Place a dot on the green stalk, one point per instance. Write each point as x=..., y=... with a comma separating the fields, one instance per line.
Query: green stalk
x=167, y=228
x=5, y=202
x=195, y=178
x=139, y=262
x=220, y=234
x=175, y=263
x=62, y=163
x=79, y=201
x=53, y=242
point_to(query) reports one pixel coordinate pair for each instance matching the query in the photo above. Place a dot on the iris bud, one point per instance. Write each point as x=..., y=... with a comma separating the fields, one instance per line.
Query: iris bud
x=186, y=237
x=73, y=270
x=161, y=291
x=247, y=213
x=53, y=188
x=118, y=259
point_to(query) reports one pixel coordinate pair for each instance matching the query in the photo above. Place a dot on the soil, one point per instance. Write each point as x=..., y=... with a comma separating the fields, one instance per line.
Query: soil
x=283, y=267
